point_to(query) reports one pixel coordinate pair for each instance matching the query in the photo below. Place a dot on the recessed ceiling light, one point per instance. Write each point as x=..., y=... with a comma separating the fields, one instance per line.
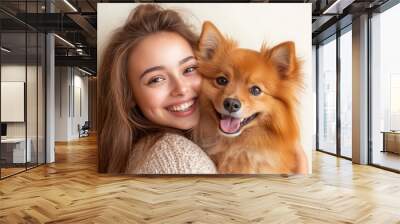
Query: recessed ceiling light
x=70, y=5
x=84, y=71
x=5, y=50
x=64, y=40
x=337, y=7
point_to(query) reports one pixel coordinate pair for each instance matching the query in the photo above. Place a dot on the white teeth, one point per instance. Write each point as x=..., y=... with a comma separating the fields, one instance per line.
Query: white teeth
x=181, y=107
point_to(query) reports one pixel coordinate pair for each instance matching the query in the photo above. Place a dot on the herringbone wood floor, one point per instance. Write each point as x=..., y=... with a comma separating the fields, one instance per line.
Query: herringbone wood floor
x=71, y=191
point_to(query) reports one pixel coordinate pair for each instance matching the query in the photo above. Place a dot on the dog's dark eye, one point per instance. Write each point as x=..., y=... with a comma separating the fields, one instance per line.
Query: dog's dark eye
x=222, y=81
x=255, y=90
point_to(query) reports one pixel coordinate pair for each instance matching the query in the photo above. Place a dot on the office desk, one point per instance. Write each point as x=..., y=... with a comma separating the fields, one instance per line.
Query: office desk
x=13, y=150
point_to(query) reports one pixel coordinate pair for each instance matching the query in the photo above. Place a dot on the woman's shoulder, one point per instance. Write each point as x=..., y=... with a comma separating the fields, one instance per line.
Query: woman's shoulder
x=178, y=141
x=176, y=154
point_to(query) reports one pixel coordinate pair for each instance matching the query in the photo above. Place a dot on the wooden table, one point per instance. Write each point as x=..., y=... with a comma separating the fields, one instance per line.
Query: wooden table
x=391, y=141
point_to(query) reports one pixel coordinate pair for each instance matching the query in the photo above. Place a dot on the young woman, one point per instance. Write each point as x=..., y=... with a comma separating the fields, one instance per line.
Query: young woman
x=148, y=97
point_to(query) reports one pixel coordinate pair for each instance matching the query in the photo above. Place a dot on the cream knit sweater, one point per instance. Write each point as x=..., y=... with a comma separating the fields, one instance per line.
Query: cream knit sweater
x=171, y=154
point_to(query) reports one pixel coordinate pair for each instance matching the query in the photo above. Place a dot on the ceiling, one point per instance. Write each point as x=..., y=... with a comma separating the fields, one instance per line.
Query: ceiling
x=76, y=22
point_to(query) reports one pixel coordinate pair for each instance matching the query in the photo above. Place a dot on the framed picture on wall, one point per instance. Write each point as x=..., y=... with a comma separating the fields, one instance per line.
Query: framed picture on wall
x=12, y=101
x=197, y=89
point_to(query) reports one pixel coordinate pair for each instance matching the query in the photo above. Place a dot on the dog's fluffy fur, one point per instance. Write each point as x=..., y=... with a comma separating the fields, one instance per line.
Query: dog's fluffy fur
x=269, y=142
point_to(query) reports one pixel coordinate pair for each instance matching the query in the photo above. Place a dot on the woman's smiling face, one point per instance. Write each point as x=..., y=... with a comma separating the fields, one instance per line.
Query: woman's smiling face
x=162, y=73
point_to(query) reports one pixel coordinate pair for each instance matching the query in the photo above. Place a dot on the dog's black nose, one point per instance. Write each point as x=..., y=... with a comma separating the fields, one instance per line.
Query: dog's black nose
x=232, y=105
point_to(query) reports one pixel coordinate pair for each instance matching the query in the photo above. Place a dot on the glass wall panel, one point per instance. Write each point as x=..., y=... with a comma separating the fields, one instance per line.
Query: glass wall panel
x=385, y=89
x=22, y=88
x=32, y=87
x=31, y=100
x=327, y=96
x=346, y=94
x=13, y=95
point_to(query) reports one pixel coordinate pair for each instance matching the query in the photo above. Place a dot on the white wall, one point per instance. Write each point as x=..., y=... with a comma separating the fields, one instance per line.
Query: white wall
x=250, y=24
x=62, y=83
x=12, y=73
x=80, y=103
x=70, y=83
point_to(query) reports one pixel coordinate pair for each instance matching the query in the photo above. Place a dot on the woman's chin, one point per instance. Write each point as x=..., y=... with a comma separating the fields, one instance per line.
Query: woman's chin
x=186, y=124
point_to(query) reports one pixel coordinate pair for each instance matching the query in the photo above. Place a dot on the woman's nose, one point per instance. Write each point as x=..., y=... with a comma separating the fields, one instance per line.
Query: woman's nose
x=180, y=87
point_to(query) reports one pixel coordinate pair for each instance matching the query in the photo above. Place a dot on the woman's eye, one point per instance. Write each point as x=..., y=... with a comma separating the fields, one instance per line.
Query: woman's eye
x=222, y=81
x=190, y=69
x=255, y=90
x=155, y=80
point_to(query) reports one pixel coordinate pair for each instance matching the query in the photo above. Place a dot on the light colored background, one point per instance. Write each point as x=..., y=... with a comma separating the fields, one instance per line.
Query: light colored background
x=12, y=100
x=248, y=23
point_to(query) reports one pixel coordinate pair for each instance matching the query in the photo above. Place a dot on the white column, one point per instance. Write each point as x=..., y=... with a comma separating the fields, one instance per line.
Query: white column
x=50, y=92
x=360, y=90
x=50, y=99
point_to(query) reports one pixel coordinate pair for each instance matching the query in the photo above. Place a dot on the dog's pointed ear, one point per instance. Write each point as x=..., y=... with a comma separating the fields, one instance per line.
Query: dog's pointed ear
x=210, y=40
x=284, y=56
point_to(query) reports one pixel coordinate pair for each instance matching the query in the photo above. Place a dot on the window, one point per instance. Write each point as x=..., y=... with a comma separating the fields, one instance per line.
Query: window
x=385, y=89
x=346, y=93
x=327, y=97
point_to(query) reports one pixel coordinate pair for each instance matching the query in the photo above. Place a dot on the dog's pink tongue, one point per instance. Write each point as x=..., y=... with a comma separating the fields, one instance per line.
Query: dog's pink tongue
x=229, y=124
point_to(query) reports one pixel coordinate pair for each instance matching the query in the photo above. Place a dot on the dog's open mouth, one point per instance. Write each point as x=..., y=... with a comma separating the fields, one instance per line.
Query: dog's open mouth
x=232, y=125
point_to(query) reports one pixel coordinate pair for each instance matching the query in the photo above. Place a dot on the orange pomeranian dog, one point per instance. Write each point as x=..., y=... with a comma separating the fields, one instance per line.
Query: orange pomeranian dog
x=248, y=105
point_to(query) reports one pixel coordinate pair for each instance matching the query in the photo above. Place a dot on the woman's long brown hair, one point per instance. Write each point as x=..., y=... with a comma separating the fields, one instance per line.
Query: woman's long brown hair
x=121, y=124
